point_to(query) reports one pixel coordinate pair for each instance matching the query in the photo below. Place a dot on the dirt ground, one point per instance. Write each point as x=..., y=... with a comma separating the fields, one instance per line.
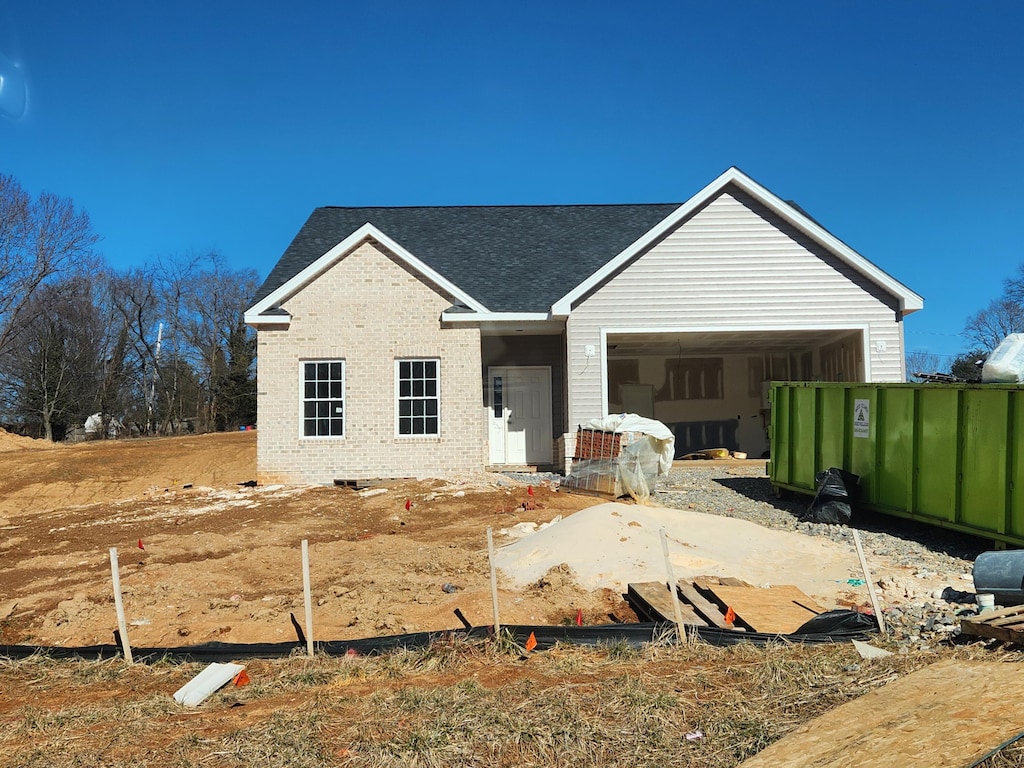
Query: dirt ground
x=221, y=558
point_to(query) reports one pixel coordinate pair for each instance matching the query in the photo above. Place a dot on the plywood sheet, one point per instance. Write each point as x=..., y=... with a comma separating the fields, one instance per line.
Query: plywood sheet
x=780, y=609
x=948, y=715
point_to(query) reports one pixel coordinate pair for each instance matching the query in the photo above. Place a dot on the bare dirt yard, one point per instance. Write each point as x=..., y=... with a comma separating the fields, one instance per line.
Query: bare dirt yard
x=221, y=558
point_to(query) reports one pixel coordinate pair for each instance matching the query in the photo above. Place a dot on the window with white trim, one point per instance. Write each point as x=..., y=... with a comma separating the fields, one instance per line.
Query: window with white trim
x=323, y=398
x=419, y=397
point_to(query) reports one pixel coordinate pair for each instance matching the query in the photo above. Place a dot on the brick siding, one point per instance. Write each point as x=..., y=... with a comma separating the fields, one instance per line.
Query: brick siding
x=369, y=310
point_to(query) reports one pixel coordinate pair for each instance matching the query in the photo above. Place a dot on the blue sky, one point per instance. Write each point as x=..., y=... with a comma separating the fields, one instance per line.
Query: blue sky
x=194, y=126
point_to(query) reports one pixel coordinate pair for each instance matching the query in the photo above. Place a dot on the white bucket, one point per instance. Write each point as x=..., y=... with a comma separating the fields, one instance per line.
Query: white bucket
x=985, y=602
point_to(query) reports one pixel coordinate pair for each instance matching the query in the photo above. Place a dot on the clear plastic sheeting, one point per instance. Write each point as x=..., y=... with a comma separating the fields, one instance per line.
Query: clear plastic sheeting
x=662, y=441
x=1006, y=363
x=641, y=451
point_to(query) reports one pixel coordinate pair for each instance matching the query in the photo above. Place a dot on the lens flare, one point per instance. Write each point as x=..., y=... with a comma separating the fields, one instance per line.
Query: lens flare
x=13, y=90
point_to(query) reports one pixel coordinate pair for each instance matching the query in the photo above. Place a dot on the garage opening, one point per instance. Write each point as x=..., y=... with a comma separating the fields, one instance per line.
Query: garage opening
x=711, y=388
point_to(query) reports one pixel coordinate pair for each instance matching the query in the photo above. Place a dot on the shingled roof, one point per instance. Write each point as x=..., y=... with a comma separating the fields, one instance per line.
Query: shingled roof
x=509, y=258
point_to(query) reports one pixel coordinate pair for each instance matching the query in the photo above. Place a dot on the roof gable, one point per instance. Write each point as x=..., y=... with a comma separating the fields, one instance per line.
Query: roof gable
x=263, y=309
x=789, y=212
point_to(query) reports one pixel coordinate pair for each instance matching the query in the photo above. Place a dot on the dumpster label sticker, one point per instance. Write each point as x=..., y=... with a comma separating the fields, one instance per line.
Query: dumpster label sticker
x=861, y=417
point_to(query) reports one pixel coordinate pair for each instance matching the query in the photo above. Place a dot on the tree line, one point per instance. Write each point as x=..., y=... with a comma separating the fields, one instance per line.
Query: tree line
x=89, y=350
x=983, y=331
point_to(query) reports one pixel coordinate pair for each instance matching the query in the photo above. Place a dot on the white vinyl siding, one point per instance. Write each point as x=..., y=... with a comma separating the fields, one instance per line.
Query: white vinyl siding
x=732, y=265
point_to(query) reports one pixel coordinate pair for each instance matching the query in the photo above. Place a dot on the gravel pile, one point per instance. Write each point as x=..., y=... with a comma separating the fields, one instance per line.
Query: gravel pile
x=922, y=573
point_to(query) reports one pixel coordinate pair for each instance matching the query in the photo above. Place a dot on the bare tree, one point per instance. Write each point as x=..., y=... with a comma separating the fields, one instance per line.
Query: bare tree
x=49, y=377
x=135, y=300
x=919, y=362
x=994, y=323
x=183, y=320
x=1014, y=286
x=115, y=362
x=217, y=336
x=41, y=240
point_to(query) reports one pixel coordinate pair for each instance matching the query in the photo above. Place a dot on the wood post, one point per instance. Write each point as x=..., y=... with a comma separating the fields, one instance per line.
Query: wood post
x=494, y=580
x=308, y=597
x=122, y=626
x=677, y=614
x=871, y=585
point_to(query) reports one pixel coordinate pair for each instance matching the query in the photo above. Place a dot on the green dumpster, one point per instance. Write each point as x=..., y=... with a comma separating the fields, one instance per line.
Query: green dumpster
x=945, y=454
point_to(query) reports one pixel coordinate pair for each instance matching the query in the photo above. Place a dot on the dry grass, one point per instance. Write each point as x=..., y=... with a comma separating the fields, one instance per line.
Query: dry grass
x=455, y=704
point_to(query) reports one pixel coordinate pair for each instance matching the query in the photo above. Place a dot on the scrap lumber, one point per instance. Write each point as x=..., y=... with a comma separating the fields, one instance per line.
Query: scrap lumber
x=782, y=609
x=653, y=599
x=1006, y=624
x=706, y=582
x=704, y=607
x=953, y=713
x=707, y=454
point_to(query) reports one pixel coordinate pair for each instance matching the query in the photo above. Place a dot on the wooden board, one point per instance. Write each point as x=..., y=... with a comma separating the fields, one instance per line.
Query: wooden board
x=702, y=605
x=781, y=609
x=1006, y=624
x=654, y=598
x=948, y=715
x=706, y=582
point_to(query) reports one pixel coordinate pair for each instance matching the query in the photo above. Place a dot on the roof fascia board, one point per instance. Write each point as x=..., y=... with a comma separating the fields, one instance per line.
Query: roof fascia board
x=256, y=320
x=909, y=301
x=365, y=232
x=495, y=317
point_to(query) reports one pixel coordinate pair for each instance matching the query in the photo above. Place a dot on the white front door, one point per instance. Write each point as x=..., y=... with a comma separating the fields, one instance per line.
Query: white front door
x=519, y=420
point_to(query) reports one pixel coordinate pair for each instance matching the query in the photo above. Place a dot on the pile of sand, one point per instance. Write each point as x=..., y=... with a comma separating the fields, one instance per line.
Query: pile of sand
x=610, y=545
x=10, y=442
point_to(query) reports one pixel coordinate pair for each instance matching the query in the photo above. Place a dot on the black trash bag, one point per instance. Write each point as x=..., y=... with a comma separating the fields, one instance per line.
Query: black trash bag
x=951, y=595
x=839, y=620
x=832, y=500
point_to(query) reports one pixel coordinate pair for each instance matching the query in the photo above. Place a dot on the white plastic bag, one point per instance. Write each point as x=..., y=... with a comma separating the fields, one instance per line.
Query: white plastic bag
x=1006, y=363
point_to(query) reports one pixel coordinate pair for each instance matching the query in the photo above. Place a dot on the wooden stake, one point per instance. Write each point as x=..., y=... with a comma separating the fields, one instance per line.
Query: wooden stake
x=494, y=580
x=122, y=626
x=307, y=595
x=678, y=615
x=871, y=585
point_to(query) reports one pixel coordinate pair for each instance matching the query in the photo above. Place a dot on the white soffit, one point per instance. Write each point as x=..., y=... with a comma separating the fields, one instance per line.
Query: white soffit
x=909, y=301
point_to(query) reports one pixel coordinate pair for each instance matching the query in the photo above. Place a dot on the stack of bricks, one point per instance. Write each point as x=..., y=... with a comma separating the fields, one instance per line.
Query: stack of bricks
x=595, y=462
x=596, y=444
